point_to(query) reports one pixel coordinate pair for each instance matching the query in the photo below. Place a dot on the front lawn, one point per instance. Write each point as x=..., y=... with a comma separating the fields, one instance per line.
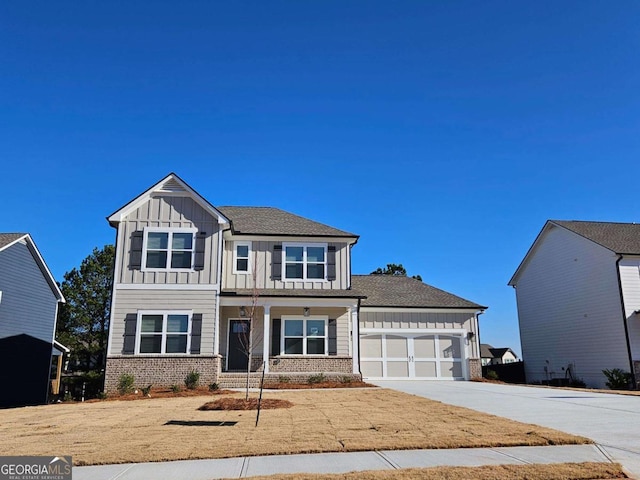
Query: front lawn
x=319, y=421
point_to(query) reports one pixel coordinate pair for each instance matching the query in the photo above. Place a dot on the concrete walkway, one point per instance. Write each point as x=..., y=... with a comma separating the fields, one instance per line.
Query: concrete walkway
x=613, y=421
x=339, y=463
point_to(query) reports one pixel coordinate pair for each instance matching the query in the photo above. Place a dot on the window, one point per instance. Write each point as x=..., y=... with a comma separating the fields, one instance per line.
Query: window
x=304, y=336
x=163, y=332
x=168, y=249
x=241, y=261
x=305, y=262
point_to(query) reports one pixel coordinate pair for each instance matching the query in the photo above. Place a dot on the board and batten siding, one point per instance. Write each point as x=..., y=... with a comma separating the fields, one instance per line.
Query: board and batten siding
x=130, y=301
x=169, y=212
x=261, y=253
x=340, y=314
x=28, y=304
x=630, y=282
x=399, y=321
x=569, y=310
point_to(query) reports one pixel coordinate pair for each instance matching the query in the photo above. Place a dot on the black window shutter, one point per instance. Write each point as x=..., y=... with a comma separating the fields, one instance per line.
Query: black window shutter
x=276, y=263
x=331, y=262
x=333, y=333
x=135, y=259
x=130, y=324
x=196, y=333
x=198, y=261
x=276, y=325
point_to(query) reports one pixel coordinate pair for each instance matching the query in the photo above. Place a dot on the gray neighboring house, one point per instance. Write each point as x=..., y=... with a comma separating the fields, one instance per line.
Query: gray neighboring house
x=29, y=300
x=191, y=278
x=578, y=295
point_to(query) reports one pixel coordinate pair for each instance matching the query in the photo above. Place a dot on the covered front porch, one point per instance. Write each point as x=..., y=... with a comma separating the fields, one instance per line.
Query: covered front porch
x=291, y=337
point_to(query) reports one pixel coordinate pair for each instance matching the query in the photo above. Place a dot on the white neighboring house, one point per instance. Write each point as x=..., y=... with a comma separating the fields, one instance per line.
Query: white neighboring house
x=496, y=356
x=578, y=295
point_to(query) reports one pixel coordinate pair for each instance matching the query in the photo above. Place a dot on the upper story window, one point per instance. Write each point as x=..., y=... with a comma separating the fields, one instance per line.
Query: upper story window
x=163, y=332
x=305, y=261
x=168, y=249
x=241, y=257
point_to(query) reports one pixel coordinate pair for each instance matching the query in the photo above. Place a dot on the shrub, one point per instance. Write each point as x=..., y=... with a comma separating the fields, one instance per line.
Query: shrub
x=618, y=379
x=146, y=391
x=492, y=375
x=214, y=386
x=283, y=379
x=192, y=379
x=345, y=379
x=318, y=378
x=125, y=383
x=175, y=388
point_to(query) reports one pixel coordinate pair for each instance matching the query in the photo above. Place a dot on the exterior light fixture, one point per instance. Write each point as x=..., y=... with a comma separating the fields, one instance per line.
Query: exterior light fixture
x=243, y=312
x=306, y=311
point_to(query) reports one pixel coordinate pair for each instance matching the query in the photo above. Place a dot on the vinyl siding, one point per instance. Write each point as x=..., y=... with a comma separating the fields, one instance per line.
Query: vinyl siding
x=28, y=304
x=421, y=320
x=340, y=314
x=130, y=301
x=261, y=257
x=569, y=310
x=630, y=281
x=169, y=212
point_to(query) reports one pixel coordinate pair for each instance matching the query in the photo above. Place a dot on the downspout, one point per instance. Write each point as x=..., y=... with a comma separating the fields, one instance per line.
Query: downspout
x=624, y=322
x=481, y=312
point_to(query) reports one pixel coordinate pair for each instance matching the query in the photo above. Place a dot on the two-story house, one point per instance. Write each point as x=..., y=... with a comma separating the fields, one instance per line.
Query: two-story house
x=191, y=278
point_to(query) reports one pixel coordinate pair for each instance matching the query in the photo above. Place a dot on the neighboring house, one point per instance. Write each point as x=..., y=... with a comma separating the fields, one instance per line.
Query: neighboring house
x=189, y=278
x=29, y=299
x=496, y=356
x=578, y=295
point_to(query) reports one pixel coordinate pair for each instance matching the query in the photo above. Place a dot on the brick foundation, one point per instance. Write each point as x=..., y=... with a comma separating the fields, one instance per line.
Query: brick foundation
x=161, y=371
x=333, y=364
x=475, y=369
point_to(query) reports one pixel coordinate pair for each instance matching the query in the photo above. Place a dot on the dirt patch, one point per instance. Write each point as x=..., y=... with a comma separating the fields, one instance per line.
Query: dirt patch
x=561, y=471
x=342, y=420
x=300, y=386
x=245, y=404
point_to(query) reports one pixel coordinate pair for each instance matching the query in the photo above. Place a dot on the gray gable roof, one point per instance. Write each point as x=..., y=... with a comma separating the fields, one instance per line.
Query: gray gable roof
x=273, y=221
x=397, y=291
x=623, y=238
x=7, y=238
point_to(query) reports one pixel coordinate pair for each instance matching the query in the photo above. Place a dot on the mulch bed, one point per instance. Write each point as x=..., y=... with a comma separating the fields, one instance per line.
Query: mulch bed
x=166, y=392
x=298, y=386
x=242, y=404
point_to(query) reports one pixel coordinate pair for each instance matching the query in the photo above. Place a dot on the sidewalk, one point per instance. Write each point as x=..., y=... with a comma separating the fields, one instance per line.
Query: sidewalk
x=242, y=467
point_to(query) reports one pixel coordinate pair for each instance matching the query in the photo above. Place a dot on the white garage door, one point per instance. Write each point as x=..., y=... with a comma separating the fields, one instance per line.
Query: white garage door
x=395, y=355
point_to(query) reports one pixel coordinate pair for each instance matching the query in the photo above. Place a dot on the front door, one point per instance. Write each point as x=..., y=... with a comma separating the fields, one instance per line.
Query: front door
x=238, y=345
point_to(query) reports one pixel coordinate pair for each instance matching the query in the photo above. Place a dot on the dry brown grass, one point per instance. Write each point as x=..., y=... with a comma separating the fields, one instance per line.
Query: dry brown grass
x=246, y=404
x=560, y=471
x=319, y=421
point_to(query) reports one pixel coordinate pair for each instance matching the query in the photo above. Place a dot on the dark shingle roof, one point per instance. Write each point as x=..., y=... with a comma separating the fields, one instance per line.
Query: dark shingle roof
x=7, y=238
x=485, y=350
x=273, y=221
x=397, y=291
x=618, y=237
x=286, y=292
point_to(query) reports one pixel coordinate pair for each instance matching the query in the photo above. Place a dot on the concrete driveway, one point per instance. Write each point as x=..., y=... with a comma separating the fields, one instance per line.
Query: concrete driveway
x=612, y=421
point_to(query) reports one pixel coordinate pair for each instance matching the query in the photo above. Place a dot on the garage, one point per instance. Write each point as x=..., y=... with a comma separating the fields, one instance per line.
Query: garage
x=426, y=355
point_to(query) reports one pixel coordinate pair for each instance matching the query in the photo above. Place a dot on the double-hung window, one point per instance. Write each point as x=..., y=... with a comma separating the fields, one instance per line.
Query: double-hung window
x=241, y=257
x=163, y=332
x=168, y=249
x=305, y=261
x=304, y=336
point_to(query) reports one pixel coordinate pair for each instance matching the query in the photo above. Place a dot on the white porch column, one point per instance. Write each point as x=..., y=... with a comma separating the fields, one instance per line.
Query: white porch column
x=266, y=338
x=354, y=339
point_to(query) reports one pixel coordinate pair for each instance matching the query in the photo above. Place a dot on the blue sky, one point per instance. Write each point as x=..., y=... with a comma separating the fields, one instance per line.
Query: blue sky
x=443, y=133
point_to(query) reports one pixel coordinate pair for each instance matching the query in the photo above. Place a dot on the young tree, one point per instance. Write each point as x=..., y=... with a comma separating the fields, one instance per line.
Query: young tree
x=394, y=269
x=83, y=322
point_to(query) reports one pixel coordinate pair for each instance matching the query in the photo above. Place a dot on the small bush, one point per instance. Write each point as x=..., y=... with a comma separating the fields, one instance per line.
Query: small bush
x=101, y=395
x=125, y=383
x=213, y=387
x=492, y=375
x=283, y=379
x=146, y=391
x=192, y=379
x=345, y=379
x=175, y=388
x=318, y=378
x=618, y=379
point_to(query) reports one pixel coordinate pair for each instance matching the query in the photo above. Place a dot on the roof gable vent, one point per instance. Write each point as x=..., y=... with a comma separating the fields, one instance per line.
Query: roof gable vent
x=171, y=185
